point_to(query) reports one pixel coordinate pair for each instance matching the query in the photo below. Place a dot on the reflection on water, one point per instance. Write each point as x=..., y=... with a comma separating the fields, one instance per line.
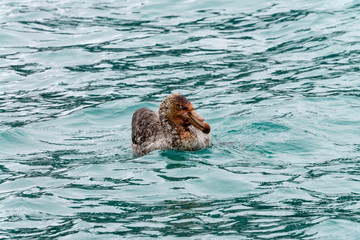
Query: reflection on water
x=278, y=83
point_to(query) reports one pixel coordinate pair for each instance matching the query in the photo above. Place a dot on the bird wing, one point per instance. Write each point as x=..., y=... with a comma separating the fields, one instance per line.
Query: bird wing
x=146, y=131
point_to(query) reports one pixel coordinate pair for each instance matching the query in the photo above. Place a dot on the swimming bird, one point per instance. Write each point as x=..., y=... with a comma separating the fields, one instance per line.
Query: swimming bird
x=176, y=126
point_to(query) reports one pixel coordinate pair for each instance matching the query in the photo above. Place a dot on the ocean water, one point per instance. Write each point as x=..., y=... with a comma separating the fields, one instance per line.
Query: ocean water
x=278, y=82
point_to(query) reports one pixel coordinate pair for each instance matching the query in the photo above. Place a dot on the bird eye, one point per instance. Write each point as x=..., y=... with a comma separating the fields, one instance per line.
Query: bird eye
x=181, y=107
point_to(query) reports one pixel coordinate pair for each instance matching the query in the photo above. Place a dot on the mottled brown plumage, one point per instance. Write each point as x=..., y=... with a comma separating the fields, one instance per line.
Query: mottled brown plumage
x=176, y=126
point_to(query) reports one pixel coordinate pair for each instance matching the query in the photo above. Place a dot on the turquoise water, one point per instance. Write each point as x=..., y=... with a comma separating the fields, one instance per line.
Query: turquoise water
x=278, y=82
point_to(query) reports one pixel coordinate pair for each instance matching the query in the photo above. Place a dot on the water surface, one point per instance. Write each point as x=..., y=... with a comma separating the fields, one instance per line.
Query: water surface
x=277, y=81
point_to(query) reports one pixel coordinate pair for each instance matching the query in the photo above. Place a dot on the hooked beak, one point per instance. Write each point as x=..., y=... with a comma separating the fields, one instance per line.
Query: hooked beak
x=198, y=122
